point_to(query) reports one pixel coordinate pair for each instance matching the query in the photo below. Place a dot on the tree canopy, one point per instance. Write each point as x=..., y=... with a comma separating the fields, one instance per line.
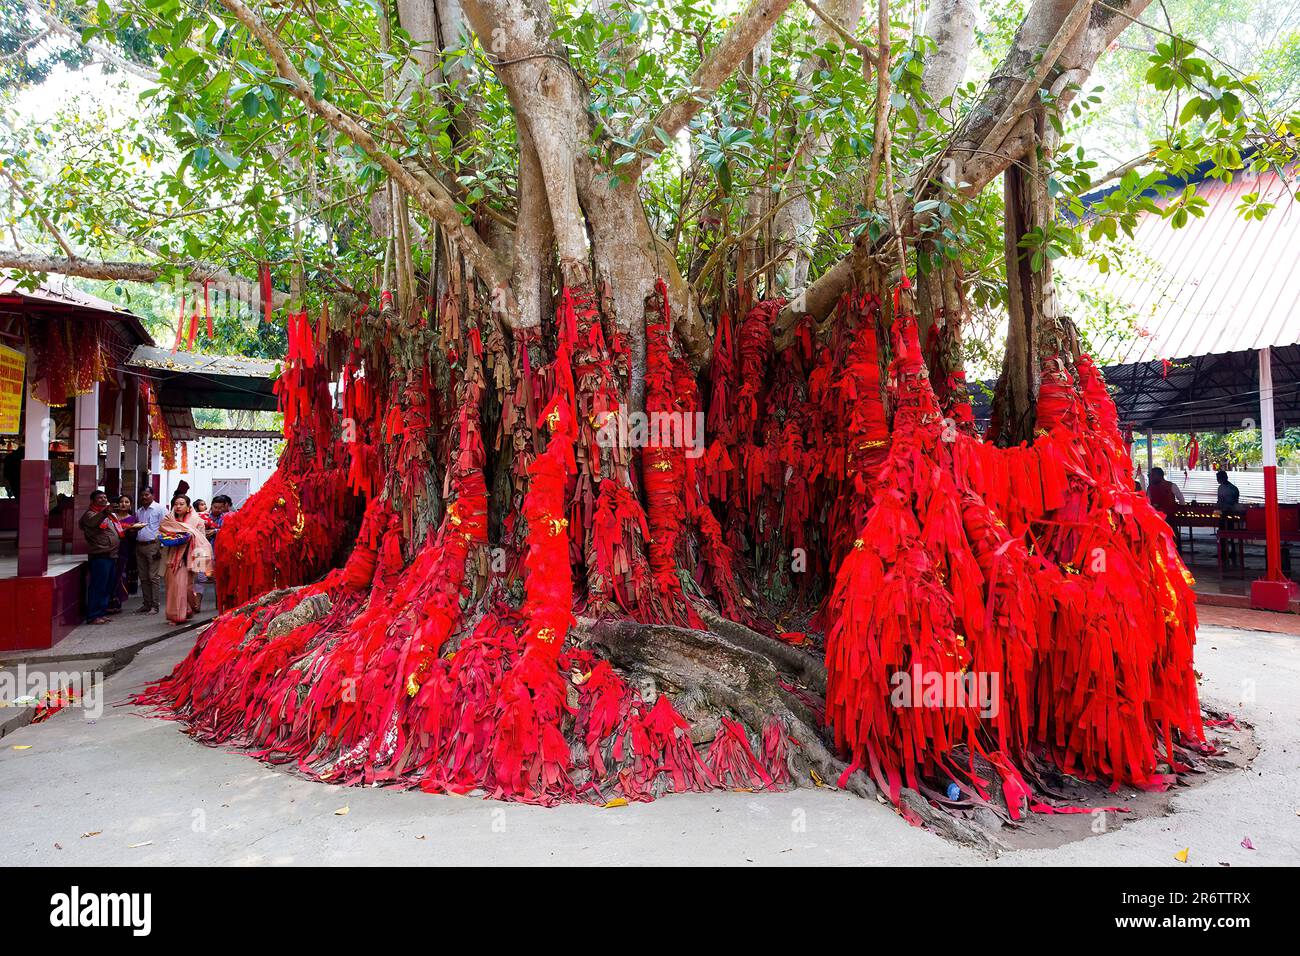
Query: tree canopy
x=213, y=158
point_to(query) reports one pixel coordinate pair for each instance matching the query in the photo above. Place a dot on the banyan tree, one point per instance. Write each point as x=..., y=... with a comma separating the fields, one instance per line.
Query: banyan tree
x=629, y=447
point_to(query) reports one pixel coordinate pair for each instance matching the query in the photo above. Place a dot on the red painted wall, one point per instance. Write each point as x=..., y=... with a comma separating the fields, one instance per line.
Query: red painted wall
x=39, y=612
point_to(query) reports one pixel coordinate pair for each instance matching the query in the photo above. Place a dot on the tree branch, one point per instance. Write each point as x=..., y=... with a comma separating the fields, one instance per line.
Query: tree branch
x=432, y=196
x=880, y=135
x=1029, y=89
x=52, y=229
x=975, y=167
x=848, y=38
x=105, y=53
x=148, y=273
x=721, y=62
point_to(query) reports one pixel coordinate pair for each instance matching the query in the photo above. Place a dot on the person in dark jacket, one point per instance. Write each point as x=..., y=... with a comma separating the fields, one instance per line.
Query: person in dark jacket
x=1228, y=497
x=99, y=525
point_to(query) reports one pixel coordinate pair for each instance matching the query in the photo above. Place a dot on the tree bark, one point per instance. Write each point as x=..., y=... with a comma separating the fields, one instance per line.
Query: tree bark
x=1036, y=328
x=597, y=223
x=534, y=236
x=951, y=25
x=134, y=272
x=969, y=160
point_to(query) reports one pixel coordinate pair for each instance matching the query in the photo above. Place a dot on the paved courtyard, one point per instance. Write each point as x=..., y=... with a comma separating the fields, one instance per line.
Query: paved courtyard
x=124, y=788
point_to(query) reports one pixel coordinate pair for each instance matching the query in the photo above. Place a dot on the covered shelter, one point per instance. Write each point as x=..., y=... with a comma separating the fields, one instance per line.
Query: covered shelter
x=231, y=461
x=194, y=380
x=72, y=419
x=1217, y=307
x=88, y=401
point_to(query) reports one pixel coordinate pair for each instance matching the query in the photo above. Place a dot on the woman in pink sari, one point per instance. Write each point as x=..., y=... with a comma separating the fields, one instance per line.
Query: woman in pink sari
x=188, y=554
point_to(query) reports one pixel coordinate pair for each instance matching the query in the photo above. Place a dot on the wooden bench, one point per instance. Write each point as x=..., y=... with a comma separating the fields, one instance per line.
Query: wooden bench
x=1254, y=527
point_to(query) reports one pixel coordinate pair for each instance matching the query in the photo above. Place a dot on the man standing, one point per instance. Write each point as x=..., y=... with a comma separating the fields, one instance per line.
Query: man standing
x=1229, y=496
x=148, y=552
x=221, y=505
x=100, y=530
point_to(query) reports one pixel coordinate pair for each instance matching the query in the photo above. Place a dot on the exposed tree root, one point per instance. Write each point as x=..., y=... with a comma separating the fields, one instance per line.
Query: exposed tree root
x=740, y=671
x=305, y=612
x=811, y=670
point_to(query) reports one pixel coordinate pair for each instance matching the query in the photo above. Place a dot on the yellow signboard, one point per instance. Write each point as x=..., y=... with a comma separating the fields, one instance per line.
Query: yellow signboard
x=12, y=366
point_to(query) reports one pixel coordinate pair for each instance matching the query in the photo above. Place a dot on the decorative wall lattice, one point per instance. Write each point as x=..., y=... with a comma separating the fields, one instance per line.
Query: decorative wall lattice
x=232, y=453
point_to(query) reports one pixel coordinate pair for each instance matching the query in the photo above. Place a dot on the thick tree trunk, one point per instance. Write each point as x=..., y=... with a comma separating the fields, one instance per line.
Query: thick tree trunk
x=1037, y=330
x=521, y=707
x=1017, y=388
x=794, y=224
x=951, y=25
x=596, y=223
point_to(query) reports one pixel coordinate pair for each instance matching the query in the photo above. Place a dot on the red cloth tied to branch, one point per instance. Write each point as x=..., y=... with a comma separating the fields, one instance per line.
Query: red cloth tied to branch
x=618, y=529
x=894, y=635
x=548, y=582
x=264, y=282
x=755, y=345
x=939, y=593
x=1119, y=668
x=663, y=461
x=861, y=409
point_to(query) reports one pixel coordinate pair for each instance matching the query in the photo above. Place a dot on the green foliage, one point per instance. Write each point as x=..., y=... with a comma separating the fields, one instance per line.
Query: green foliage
x=29, y=52
x=217, y=161
x=1242, y=448
x=19, y=32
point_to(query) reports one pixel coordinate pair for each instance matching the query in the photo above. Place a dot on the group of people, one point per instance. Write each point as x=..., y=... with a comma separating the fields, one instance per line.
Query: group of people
x=173, y=542
x=1166, y=497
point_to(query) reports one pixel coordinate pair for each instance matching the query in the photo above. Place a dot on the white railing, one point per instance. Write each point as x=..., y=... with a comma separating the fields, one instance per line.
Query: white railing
x=1202, y=486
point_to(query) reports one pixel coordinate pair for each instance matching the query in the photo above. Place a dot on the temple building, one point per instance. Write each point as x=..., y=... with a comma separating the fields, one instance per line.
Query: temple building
x=86, y=402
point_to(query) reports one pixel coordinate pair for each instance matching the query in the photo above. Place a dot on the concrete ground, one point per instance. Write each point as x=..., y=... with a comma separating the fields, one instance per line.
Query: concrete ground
x=88, y=654
x=128, y=789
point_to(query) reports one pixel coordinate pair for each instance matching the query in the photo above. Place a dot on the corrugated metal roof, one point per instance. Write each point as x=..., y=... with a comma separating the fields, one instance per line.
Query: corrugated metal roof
x=1219, y=284
x=192, y=379
x=57, y=292
x=1207, y=393
x=198, y=363
x=180, y=423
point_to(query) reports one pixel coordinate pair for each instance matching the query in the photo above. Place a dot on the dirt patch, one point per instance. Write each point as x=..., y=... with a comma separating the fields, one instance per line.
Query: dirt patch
x=1235, y=739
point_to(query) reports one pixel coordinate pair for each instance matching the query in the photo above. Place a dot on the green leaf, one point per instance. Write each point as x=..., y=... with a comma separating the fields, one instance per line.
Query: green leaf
x=228, y=160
